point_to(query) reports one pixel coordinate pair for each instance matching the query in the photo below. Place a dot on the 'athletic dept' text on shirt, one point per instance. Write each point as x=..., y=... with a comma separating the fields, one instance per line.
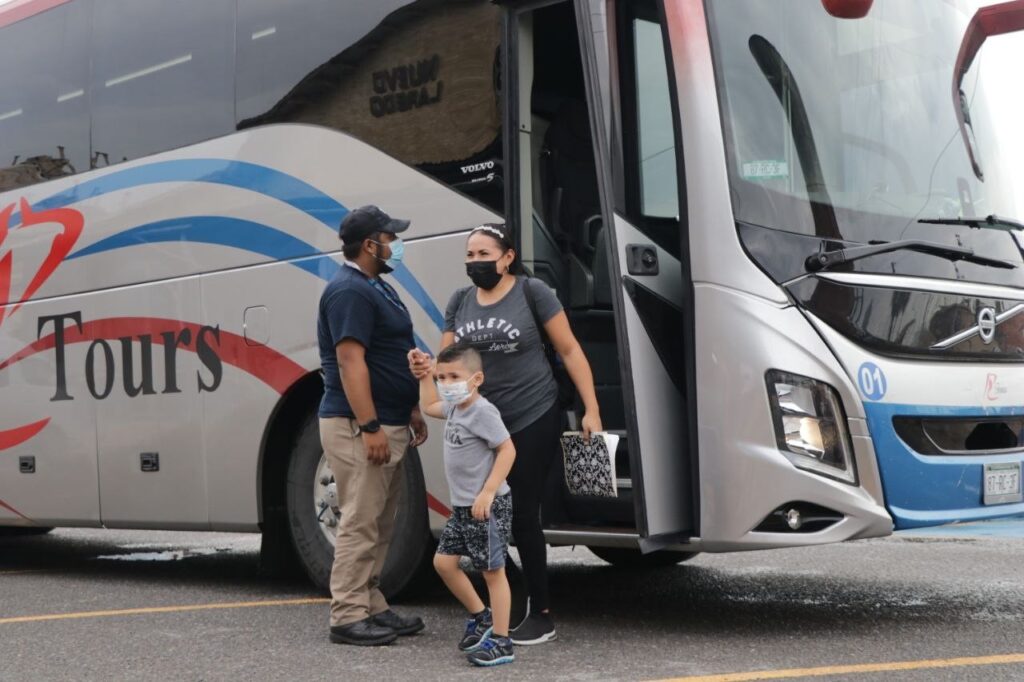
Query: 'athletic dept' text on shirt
x=487, y=335
x=517, y=375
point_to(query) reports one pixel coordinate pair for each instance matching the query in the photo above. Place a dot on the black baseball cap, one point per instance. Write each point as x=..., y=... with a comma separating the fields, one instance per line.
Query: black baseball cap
x=366, y=221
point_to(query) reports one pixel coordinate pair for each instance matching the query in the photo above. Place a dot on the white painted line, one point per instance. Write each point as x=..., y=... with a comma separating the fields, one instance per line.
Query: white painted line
x=264, y=33
x=147, y=71
x=70, y=95
x=11, y=114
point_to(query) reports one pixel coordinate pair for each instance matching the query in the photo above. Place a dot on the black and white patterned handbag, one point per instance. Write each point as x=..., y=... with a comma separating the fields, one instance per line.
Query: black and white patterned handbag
x=590, y=468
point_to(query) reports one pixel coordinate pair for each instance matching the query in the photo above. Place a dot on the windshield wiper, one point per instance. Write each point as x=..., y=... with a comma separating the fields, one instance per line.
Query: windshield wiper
x=827, y=259
x=992, y=222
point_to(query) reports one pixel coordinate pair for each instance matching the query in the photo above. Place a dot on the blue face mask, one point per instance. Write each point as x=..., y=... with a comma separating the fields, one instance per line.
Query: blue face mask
x=456, y=392
x=397, y=254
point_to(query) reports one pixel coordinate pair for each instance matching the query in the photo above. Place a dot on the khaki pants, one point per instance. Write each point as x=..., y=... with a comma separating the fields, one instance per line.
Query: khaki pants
x=369, y=495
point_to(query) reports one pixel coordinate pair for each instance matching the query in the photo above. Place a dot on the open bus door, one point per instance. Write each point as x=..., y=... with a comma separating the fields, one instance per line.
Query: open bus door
x=620, y=277
x=634, y=135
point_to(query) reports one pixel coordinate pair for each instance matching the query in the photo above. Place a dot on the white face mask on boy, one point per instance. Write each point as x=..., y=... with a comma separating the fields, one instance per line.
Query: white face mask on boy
x=456, y=392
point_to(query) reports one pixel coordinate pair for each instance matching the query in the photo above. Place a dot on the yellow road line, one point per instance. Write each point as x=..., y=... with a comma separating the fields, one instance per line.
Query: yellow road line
x=26, y=570
x=162, y=609
x=1001, y=659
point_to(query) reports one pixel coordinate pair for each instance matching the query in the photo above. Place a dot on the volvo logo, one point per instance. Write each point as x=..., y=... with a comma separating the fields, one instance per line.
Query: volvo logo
x=988, y=320
x=987, y=324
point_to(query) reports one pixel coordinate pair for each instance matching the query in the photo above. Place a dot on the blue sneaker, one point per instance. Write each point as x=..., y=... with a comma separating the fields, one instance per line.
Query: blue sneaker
x=478, y=629
x=493, y=651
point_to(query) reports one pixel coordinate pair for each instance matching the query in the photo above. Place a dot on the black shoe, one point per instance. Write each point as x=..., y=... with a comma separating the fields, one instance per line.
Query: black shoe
x=402, y=625
x=478, y=629
x=536, y=629
x=493, y=651
x=362, y=633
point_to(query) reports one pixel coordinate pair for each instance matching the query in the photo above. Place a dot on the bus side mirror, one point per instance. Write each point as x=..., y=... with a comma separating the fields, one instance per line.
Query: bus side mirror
x=993, y=20
x=847, y=9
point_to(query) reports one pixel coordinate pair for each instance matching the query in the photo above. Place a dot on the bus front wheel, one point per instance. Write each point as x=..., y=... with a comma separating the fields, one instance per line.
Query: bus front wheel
x=623, y=557
x=314, y=512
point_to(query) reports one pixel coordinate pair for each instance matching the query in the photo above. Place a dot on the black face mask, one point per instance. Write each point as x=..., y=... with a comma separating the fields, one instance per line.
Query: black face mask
x=484, y=273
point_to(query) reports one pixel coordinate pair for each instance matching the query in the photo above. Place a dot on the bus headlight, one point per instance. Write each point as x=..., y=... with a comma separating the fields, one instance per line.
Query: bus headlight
x=810, y=426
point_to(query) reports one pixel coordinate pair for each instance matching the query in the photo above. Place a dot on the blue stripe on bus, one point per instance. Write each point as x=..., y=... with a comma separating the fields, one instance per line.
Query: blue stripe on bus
x=404, y=276
x=237, y=233
x=241, y=174
x=924, y=490
x=224, y=231
x=249, y=176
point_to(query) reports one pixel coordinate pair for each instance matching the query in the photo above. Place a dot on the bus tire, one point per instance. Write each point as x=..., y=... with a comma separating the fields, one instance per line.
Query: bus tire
x=411, y=544
x=23, y=531
x=624, y=557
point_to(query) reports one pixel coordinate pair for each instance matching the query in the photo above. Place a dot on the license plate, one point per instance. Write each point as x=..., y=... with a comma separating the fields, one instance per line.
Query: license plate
x=1002, y=483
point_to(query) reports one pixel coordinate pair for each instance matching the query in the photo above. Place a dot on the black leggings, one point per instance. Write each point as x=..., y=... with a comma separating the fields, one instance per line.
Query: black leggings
x=536, y=450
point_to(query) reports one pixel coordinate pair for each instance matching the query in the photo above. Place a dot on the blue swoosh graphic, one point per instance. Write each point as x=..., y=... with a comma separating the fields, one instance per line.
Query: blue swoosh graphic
x=221, y=230
x=249, y=176
x=244, y=235
x=409, y=282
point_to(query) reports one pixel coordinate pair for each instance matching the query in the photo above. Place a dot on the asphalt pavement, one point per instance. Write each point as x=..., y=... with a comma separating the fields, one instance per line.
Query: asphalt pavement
x=942, y=604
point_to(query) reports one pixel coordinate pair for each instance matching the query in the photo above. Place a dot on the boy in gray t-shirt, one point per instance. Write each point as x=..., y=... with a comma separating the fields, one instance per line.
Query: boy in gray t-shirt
x=478, y=454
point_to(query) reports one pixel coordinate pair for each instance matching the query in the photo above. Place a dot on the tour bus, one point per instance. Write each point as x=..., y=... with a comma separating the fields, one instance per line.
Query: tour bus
x=784, y=233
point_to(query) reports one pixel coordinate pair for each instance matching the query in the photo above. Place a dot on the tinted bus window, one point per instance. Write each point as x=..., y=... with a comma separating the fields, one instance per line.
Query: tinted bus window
x=44, y=103
x=162, y=76
x=658, y=185
x=278, y=46
x=649, y=139
x=416, y=80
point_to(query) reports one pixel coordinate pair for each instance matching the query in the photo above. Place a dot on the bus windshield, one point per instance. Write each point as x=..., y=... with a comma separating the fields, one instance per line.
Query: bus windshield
x=847, y=129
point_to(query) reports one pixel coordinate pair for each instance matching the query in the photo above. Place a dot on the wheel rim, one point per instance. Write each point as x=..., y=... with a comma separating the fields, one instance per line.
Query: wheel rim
x=326, y=509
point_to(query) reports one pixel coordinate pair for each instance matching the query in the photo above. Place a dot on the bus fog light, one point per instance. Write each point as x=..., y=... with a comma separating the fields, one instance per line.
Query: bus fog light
x=810, y=427
x=799, y=517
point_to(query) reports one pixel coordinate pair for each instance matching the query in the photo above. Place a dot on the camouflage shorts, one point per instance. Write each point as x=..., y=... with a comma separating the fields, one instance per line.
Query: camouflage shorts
x=484, y=542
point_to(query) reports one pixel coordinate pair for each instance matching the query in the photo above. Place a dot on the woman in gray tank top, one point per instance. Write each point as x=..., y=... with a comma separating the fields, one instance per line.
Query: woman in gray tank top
x=495, y=316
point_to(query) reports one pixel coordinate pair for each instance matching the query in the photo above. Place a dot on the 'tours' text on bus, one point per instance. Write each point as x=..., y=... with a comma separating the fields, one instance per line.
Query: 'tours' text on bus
x=101, y=363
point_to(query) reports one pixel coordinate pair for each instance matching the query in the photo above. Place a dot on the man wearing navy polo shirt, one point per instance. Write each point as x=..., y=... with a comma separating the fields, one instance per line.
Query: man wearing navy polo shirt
x=369, y=406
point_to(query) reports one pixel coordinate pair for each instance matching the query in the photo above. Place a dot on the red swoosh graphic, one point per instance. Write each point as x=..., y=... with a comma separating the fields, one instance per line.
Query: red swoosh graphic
x=72, y=222
x=7, y=506
x=5, y=275
x=5, y=262
x=264, y=363
x=12, y=437
x=438, y=506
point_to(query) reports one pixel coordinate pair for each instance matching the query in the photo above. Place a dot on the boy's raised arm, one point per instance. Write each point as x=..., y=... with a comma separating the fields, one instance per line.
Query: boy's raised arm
x=430, y=403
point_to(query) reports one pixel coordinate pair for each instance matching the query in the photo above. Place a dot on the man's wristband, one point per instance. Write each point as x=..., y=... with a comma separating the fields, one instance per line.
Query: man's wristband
x=372, y=426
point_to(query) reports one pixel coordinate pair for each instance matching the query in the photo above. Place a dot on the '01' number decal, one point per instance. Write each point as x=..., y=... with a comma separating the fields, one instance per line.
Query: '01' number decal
x=871, y=380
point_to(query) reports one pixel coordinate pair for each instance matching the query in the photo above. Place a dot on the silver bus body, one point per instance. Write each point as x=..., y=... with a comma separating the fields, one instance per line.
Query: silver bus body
x=157, y=356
